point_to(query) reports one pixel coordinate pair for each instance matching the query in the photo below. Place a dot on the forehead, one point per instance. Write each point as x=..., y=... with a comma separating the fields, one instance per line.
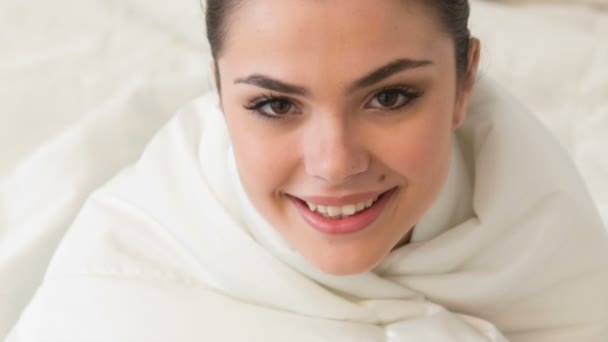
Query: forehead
x=328, y=37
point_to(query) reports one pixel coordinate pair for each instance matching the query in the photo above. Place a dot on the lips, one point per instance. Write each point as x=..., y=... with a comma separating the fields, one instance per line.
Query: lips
x=342, y=219
x=343, y=211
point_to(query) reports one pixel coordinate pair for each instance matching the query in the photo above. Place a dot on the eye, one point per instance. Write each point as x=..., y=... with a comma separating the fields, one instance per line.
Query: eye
x=392, y=99
x=272, y=107
x=279, y=107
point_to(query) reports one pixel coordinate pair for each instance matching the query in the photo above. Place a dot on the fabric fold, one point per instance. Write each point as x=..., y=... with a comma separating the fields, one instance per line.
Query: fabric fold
x=512, y=248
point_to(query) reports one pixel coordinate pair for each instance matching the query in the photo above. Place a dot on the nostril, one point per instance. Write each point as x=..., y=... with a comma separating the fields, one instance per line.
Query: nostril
x=335, y=163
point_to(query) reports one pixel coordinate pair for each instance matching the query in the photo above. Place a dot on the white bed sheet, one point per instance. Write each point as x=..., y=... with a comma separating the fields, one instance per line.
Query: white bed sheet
x=85, y=83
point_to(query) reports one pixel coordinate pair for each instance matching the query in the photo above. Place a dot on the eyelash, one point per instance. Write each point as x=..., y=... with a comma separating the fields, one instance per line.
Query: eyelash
x=410, y=94
x=255, y=106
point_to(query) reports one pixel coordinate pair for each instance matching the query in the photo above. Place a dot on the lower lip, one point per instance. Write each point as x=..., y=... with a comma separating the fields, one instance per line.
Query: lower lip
x=348, y=225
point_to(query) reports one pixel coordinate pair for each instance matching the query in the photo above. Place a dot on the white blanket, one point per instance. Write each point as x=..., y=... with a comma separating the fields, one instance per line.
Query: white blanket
x=85, y=83
x=172, y=250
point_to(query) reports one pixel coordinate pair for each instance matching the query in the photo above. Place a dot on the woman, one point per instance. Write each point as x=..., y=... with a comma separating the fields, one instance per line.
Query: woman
x=340, y=194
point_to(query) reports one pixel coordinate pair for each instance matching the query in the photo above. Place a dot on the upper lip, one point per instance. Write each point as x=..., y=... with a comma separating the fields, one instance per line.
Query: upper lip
x=341, y=200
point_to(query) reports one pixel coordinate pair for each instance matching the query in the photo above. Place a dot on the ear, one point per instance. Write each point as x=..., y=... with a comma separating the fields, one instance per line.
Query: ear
x=465, y=86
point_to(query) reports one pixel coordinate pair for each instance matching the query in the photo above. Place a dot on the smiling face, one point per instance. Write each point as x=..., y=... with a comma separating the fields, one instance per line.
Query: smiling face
x=341, y=114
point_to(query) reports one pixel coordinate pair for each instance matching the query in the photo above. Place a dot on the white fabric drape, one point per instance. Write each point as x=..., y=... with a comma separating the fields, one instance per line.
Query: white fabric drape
x=172, y=250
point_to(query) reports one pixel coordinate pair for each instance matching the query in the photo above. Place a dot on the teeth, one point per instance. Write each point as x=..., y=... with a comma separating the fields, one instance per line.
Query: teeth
x=343, y=211
x=349, y=210
x=334, y=211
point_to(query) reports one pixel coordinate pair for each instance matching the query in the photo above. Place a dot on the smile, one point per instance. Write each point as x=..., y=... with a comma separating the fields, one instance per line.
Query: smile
x=341, y=211
x=342, y=216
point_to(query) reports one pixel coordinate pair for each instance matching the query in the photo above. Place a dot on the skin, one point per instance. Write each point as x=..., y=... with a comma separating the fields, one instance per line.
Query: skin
x=336, y=140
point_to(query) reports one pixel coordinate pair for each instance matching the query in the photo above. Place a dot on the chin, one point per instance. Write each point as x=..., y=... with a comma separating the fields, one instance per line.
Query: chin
x=345, y=255
x=345, y=270
x=343, y=267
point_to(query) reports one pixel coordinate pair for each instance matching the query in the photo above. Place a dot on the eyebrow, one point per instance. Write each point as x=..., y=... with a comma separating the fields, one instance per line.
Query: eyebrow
x=371, y=78
x=386, y=71
x=272, y=84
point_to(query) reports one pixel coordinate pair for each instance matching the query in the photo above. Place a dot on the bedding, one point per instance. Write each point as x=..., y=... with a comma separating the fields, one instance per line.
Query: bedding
x=175, y=233
x=86, y=83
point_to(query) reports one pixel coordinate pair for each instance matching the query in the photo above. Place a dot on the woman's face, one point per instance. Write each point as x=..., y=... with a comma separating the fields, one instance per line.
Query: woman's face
x=340, y=114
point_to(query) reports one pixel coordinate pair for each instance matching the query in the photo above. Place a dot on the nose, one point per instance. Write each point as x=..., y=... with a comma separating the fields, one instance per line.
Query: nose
x=334, y=152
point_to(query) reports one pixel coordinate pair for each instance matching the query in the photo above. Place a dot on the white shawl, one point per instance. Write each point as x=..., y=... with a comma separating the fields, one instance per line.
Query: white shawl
x=172, y=250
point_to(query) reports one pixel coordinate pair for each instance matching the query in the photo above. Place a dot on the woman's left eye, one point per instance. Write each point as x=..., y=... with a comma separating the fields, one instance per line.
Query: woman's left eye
x=392, y=99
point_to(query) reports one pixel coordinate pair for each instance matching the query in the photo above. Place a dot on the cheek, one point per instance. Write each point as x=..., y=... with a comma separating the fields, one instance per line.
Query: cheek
x=265, y=164
x=419, y=150
x=425, y=146
x=428, y=155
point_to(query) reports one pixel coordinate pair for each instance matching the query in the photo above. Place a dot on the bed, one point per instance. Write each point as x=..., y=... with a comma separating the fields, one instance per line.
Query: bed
x=84, y=84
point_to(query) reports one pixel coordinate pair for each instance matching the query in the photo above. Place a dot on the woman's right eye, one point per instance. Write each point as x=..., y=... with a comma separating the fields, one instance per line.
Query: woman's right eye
x=272, y=107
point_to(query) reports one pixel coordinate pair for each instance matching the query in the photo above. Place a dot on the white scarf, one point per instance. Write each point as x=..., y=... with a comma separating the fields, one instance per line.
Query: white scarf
x=172, y=250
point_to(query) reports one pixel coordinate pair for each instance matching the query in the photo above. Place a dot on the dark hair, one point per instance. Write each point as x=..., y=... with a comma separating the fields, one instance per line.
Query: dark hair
x=453, y=14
